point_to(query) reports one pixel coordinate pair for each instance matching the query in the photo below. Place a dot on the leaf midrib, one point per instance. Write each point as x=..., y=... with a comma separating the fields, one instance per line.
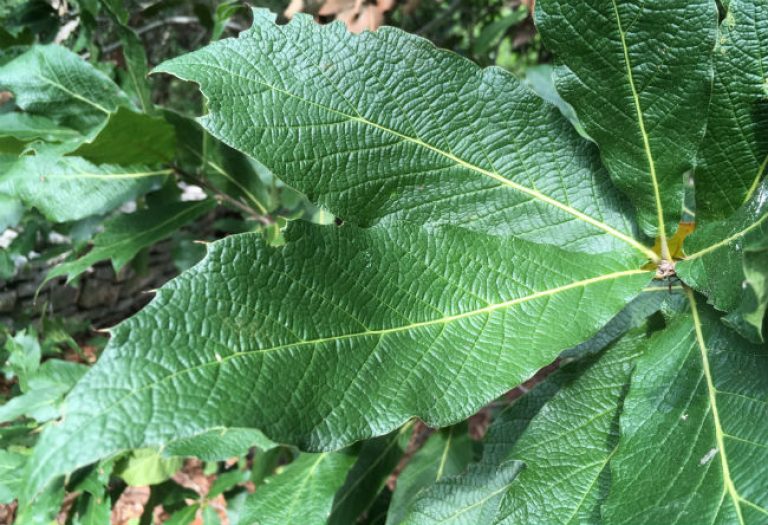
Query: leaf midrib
x=106, y=176
x=457, y=161
x=715, y=246
x=728, y=485
x=646, y=141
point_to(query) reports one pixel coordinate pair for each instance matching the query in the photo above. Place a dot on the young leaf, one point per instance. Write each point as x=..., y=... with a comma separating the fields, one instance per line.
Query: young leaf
x=383, y=126
x=56, y=83
x=564, y=432
x=125, y=235
x=71, y=188
x=715, y=261
x=638, y=73
x=397, y=322
x=694, y=428
x=733, y=156
x=147, y=467
x=301, y=493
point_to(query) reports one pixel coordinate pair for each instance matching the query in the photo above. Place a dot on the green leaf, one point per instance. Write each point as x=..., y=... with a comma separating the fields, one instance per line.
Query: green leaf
x=496, y=29
x=473, y=497
x=564, y=432
x=219, y=444
x=98, y=511
x=128, y=137
x=126, y=234
x=147, y=467
x=71, y=188
x=694, y=430
x=380, y=127
x=446, y=453
x=185, y=516
x=133, y=53
x=301, y=493
x=44, y=392
x=54, y=82
x=27, y=127
x=714, y=264
x=541, y=80
x=376, y=460
x=11, y=475
x=639, y=74
x=11, y=209
x=749, y=318
x=45, y=509
x=380, y=316
x=227, y=169
x=733, y=156
x=24, y=356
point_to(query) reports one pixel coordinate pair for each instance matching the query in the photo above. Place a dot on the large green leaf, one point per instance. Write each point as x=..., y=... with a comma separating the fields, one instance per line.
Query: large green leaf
x=126, y=234
x=56, y=83
x=734, y=153
x=394, y=322
x=71, y=188
x=639, y=74
x=383, y=126
x=716, y=251
x=301, y=493
x=694, y=430
x=564, y=432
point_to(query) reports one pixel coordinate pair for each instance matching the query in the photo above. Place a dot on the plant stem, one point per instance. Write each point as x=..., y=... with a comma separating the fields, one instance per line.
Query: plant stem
x=222, y=197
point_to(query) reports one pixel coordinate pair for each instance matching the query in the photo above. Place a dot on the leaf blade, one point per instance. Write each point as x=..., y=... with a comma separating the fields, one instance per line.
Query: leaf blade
x=368, y=320
x=636, y=79
x=414, y=116
x=690, y=393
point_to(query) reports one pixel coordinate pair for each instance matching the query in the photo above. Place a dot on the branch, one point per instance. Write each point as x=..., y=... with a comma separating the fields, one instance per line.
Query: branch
x=224, y=198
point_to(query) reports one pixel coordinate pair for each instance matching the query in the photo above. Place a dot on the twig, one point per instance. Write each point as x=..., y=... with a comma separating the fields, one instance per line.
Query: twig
x=222, y=197
x=172, y=20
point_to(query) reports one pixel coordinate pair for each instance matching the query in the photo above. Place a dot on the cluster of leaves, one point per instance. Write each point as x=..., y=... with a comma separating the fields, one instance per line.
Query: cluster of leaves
x=488, y=230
